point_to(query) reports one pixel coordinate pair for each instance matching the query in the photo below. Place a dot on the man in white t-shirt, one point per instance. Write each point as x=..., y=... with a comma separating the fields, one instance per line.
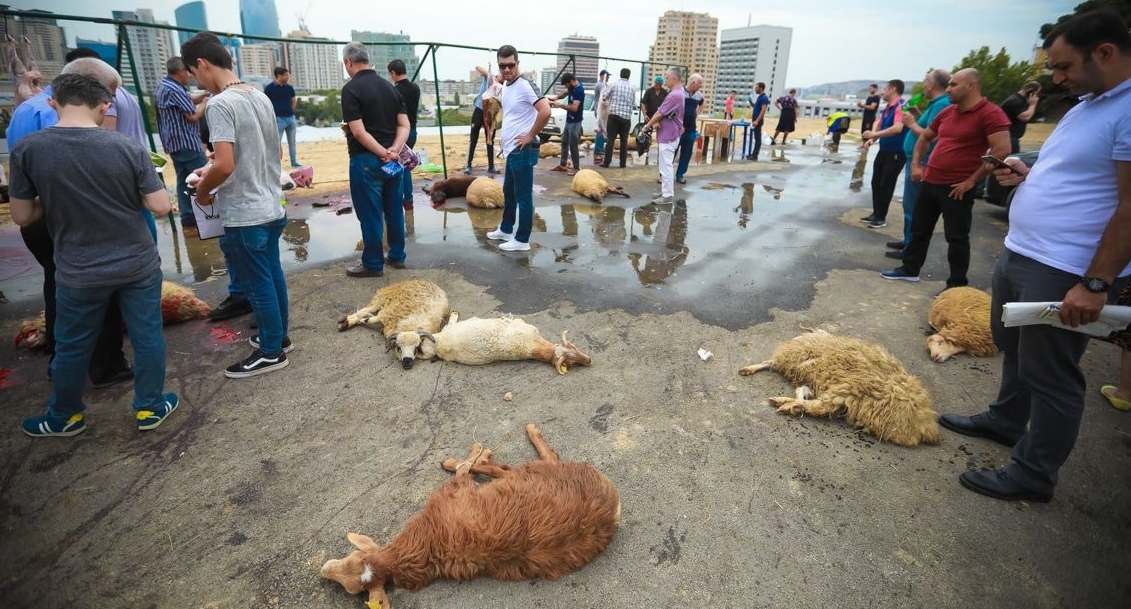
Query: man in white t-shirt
x=1069, y=240
x=524, y=115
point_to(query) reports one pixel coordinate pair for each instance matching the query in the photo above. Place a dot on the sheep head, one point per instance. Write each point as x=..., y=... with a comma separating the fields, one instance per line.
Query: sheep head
x=360, y=571
x=427, y=349
x=942, y=348
x=407, y=344
x=567, y=354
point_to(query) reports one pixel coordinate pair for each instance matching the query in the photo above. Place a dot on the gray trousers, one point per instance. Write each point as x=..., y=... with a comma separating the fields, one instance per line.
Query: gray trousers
x=1041, y=381
x=571, y=136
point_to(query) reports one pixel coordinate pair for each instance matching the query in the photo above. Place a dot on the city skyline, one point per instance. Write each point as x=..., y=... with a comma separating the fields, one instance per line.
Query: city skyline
x=832, y=41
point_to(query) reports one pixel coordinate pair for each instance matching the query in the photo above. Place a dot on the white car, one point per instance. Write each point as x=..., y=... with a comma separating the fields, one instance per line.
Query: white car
x=554, y=126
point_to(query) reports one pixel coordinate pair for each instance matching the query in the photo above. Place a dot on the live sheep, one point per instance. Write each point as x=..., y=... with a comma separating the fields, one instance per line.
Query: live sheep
x=961, y=319
x=590, y=184
x=478, y=341
x=486, y=193
x=442, y=190
x=403, y=310
x=540, y=520
x=836, y=375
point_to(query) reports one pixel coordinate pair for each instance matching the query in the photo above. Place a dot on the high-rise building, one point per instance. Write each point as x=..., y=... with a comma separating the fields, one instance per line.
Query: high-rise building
x=48, y=43
x=190, y=14
x=313, y=66
x=584, y=68
x=107, y=51
x=381, y=54
x=257, y=61
x=150, y=48
x=259, y=18
x=688, y=39
x=749, y=55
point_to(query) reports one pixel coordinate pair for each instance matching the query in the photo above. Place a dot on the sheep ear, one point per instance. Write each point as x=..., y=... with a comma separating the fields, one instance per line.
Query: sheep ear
x=361, y=542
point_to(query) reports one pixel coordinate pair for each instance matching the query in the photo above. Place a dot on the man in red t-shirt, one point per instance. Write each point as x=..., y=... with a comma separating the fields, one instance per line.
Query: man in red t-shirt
x=965, y=130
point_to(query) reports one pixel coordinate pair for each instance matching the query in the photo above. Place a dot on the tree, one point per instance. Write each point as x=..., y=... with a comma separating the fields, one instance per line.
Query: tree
x=1000, y=78
x=1123, y=7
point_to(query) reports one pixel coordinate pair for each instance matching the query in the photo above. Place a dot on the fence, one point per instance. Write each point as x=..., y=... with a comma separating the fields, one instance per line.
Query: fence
x=138, y=49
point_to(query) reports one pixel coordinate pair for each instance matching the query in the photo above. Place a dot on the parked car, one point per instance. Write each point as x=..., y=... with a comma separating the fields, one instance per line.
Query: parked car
x=1002, y=196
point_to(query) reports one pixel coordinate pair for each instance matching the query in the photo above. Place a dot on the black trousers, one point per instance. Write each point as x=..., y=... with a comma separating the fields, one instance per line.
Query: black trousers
x=757, y=142
x=476, y=125
x=616, y=127
x=108, y=357
x=934, y=201
x=885, y=173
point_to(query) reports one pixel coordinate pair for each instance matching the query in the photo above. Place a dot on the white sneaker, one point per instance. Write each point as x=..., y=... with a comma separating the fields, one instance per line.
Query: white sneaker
x=514, y=246
x=498, y=235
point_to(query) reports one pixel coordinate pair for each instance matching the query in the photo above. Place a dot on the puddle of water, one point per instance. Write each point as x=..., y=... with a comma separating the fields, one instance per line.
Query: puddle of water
x=623, y=238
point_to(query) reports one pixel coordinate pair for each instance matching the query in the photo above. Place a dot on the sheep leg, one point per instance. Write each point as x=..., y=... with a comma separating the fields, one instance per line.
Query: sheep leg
x=477, y=456
x=619, y=190
x=748, y=370
x=364, y=315
x=545, y=453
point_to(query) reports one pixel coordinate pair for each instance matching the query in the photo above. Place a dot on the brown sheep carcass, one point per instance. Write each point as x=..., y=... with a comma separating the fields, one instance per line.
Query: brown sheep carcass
x=442, y=190
x=592, y=185
x=961, y=319
x=542, y=519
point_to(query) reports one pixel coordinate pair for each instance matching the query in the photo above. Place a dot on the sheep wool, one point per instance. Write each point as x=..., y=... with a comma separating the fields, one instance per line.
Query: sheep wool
x=548, y=150
x=592, y=185
x=405, y=311
x=863, y=381
x=478, y=341
x=485, y=193
x=961, y=319
x=442, y=190
x=540, y=520
x=179, y=303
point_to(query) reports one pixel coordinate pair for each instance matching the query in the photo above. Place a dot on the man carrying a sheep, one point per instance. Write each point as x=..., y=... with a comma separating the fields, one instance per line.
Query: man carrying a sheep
x=524, y=115
x=1069, y=240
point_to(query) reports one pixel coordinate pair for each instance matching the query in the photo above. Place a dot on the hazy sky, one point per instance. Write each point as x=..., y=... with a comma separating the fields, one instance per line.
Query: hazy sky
x=833, y=40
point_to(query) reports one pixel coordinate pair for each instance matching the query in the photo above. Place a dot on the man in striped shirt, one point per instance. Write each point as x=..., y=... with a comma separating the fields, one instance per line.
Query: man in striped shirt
x=177, y=118
x=622, y=98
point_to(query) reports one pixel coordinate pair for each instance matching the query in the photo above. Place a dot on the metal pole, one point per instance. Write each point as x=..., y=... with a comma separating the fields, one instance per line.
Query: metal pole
x=439, y=111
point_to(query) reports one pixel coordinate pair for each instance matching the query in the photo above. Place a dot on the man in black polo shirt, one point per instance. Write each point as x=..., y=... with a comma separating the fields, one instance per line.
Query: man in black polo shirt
x=410, y=95
x=377, y=127
x=869, y=105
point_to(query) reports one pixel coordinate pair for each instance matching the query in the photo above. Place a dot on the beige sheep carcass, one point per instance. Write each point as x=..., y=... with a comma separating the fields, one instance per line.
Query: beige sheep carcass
x=485, y=193
x=548, y=150
x=836, y=375
x=478, y=341
x=961, y=319
x=592, y=185
x=406, y=311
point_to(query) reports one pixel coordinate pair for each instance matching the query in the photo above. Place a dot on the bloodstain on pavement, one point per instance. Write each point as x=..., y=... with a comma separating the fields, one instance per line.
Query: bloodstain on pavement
x=4, y=382
x=224, y=334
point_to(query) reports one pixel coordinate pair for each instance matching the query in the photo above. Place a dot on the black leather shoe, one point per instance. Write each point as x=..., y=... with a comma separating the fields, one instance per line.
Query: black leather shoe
x=120, y=376
x=229, y=308
x=897, y=254
x=998, y=484
x=361, y=271
x=396, y=264
x=977, y=426
x=894, y=245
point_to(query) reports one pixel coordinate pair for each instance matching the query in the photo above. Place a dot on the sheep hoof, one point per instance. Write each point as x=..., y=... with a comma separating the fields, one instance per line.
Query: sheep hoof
x=748, y=370
x=343, y=324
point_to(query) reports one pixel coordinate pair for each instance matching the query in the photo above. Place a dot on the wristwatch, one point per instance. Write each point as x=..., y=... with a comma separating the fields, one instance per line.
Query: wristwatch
x=1095, y=285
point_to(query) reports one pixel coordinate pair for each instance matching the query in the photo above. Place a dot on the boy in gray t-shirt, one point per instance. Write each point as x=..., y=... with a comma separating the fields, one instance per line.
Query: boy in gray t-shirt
x=91, y=184
x=245, y=173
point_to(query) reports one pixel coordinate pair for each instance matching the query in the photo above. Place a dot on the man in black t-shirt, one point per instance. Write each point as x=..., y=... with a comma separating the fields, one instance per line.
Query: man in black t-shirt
x=376, y=128
x=410, y=95
x=1020, y=108
x=870, y=105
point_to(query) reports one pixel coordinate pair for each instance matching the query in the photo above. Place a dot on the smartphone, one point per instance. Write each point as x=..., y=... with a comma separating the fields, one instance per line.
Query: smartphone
x=998, y=163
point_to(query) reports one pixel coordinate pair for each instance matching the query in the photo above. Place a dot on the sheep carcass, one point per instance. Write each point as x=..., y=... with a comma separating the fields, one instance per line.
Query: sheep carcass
x=442, y=190
x=404, y=310
x=481, y=341
x=542, y=519
x=549, y=150
x=590, y=184
x=862, y=380
x=961, y=319
x=485, y=193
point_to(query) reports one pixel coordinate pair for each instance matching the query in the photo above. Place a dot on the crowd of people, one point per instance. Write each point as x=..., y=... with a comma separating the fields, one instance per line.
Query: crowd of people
x=1069, y=238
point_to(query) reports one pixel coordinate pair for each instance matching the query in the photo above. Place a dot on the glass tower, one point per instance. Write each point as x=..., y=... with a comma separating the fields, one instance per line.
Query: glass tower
x=259, y=18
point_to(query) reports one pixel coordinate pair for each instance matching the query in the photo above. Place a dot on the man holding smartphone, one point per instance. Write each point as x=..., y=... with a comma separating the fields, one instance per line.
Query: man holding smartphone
x=1069, y=240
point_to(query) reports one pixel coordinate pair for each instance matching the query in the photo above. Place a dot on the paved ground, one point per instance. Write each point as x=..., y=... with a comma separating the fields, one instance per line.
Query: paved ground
x=252, y=484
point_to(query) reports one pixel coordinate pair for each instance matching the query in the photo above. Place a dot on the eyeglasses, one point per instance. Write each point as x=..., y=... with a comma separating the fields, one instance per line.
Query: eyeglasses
x=508, y=66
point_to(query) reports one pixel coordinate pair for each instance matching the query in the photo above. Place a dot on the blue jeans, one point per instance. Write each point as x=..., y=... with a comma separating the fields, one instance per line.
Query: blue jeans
x=377, y=202
x=78, y=318
x=235, y=288
x=518, y=192
x=406, y=175
x=910, y=195
x=288, y=125
x=184, y=163
x=686, y=148
x=255, y=253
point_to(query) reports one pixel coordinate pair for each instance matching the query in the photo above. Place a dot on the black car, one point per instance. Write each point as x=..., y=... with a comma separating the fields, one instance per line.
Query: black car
x=999, y=195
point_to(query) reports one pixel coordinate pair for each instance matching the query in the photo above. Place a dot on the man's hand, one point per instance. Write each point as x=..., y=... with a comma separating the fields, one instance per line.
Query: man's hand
x=869, y=134
x=908, y=119
x=523, y=140
x=957, y=191
x=1081, y=306
x=916, y=173
x=1006, y=177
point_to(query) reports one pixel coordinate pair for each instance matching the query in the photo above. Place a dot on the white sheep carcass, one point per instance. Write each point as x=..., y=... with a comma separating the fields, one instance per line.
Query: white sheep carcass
x=478, y=341
x=485, y=193
x=961, y=319
x=405, y=310
x=539, y=520
x=837, y=375
x=590, y=184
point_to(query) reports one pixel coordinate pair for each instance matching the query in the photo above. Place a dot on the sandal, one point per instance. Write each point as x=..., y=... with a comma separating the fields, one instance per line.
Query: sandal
x=1108, y=392
x=559, y=168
